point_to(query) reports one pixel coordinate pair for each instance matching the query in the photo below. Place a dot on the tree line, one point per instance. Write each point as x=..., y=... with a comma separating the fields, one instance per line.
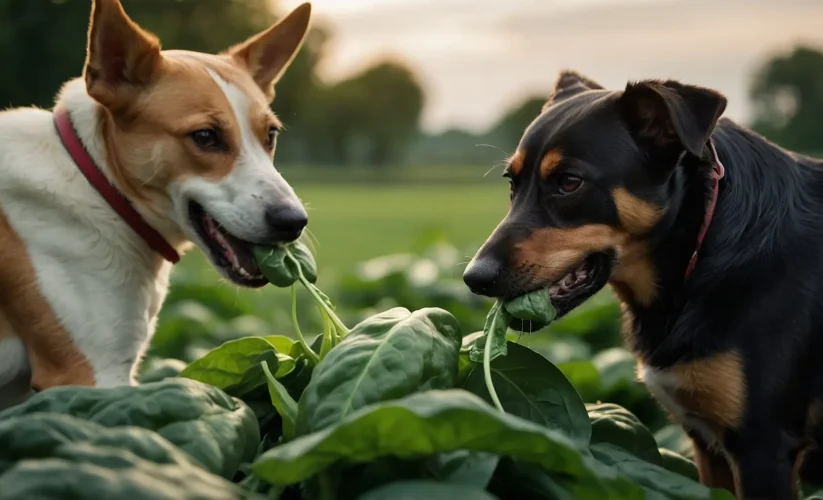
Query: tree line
x=369, y=118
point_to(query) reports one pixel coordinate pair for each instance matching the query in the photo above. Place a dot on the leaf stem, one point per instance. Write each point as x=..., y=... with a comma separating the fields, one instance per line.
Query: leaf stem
x=306, y=347
x=313, y=291
x=487, y=365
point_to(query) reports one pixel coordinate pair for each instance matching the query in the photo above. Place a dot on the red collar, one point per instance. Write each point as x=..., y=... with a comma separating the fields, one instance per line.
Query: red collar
x=118, y=202
x=718, y=171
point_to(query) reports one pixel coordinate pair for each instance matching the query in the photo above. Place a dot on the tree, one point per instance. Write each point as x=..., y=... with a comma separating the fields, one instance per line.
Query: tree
x=509, y=129
x=371, y=117
x=787, y=94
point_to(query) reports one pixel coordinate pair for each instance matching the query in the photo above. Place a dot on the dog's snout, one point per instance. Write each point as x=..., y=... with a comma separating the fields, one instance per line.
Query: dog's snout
x=286, y=222
x=481, y=274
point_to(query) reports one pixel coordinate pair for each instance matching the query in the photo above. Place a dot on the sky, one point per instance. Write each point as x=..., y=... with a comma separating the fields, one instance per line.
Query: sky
x=478, y=58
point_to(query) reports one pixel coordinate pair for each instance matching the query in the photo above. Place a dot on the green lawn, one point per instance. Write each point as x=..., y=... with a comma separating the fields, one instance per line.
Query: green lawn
x=353, y=223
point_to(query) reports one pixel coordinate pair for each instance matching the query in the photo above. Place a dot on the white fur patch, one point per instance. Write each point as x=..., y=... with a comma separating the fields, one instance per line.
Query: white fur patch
x=13, y=359
x=96, y=273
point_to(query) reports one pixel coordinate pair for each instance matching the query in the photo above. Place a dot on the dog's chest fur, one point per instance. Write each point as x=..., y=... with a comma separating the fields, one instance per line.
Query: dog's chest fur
x=705, y=395
x=102, y=286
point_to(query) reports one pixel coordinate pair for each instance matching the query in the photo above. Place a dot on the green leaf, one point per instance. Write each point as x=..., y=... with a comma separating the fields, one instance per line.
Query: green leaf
x=216, y=430
x=281, y=270
x=234, y=367
x=584, y=377
x=276, y=266
x=280, y=398
x=282, y=343
x=678, y=464
x=285, y=365
x=616, y=367
x=306, y=260
x=673, y=437
x=48, y=455
x=619, y=427
x=430, y=490
x=651, y=477
x=497, y=324
x=387, y=356
x=156, y=369
x=528, y=481
x=536, y=306
x=421, y=425
x=531, y=387
x=470, y=468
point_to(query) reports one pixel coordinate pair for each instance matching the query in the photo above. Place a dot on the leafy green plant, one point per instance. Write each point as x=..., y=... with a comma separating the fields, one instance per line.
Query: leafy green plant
x=401, y=405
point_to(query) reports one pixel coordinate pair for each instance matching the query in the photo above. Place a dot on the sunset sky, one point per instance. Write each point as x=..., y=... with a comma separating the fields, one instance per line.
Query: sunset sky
x=478, y=57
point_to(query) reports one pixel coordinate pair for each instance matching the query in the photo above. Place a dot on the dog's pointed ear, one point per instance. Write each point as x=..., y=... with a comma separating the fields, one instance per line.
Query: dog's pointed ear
x=570, y=83
x=267, y=55
x=120, y=57
x=670, y=114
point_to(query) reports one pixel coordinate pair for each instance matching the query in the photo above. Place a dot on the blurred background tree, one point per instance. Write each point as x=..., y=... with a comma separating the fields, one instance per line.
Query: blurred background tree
x=788, y=97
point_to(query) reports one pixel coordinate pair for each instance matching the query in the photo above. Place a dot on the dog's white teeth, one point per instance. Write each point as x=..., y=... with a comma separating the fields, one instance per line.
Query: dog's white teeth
x=568, y=280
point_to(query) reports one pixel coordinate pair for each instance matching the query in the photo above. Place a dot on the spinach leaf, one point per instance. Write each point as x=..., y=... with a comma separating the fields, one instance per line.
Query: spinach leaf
x=280, y=270
x=431, y=490
x=387, y=356
x=531, y=387
x=469, y=468
x=218, y=431
x=535, y=306
x=234, y=367
x=619, y=427
x=678, y=464
x=280, y=398
x=423, y=424
x=47, y=455
x=653, y=478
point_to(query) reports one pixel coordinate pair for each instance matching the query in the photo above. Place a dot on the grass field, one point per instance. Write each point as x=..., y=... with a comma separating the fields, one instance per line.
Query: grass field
x=353, y=223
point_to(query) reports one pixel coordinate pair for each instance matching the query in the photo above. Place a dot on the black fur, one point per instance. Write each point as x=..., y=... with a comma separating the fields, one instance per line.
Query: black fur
x=757, y=285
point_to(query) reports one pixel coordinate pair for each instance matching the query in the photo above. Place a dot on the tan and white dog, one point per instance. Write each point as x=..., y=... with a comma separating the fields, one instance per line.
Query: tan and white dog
x=186, y=140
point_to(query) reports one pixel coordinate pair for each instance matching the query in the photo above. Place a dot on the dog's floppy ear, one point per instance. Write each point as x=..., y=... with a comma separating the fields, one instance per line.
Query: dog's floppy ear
x=669, y=114
x=570, y=83
x=120, y=56
x=267, y=55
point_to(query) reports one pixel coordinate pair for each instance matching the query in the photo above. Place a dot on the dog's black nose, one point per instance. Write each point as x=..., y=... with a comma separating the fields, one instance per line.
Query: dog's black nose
x=481, y=274
x=286, y=222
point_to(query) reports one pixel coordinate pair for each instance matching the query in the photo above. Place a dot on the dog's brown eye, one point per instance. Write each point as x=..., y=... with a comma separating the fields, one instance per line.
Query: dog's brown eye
x=208, y=139
x=569, y=183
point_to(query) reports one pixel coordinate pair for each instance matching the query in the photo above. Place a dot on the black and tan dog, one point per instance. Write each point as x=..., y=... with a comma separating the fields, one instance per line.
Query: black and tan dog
x=712, y=238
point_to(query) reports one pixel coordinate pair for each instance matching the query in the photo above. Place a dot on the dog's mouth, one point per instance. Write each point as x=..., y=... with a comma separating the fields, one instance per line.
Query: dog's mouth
x=229, y=254
x=575, y=287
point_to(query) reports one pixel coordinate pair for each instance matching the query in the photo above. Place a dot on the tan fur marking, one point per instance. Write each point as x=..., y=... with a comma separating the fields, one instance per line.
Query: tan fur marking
x=636, y=216
x=634, y=279
x=713, y=388
x=54, y=358
x=550, y=161
x=516, y=162
x=552, y=252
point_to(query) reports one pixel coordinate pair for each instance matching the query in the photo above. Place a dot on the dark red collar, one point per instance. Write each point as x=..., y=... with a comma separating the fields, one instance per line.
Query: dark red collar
x=115, y=198
x=718, y=171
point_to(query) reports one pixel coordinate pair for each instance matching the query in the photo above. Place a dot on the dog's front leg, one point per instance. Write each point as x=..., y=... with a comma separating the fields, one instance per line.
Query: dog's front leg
x=712, y=465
